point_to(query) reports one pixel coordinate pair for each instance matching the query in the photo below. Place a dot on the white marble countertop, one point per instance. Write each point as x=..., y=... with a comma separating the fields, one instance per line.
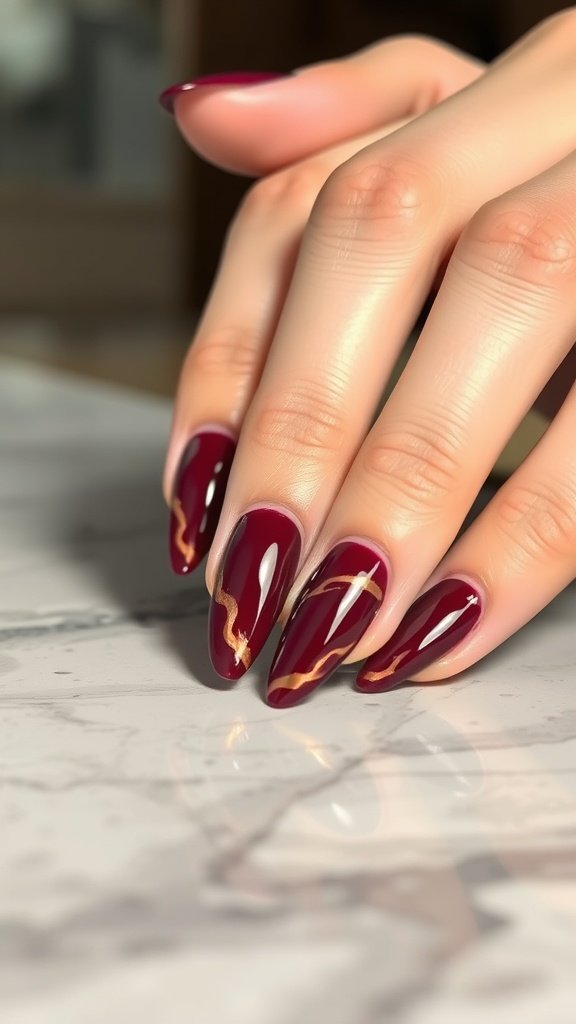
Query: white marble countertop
x=173, y=851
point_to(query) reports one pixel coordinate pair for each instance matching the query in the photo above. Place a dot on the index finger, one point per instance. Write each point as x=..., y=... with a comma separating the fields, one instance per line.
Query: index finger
x=260, y=128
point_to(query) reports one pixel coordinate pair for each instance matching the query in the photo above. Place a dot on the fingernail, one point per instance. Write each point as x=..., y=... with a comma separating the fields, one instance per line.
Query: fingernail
x=333, y=610
x=255, y=575
x=435, y=623
x=198, y=496
x=233, y=78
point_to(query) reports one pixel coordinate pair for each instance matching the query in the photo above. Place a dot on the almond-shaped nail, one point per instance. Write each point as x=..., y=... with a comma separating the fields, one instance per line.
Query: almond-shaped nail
x=198, y=496
x=232, y=78
x=332, y=612
x=255, y=575
x=432, y=626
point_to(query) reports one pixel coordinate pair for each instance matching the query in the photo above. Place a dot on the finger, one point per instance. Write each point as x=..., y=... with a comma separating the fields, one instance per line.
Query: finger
x=368, y=256
x=508, y=299
x=258, y=128
x=514, y=559
x=223, y=365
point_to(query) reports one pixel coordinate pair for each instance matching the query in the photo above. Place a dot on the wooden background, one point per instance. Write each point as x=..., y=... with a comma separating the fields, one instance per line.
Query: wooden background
x=65, y=250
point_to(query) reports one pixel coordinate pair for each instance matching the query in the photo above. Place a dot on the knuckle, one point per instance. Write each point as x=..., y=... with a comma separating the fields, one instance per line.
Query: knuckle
x=231, y=352
x=560, y=21
x=421, y=41
x=414, y=44
x=307, y=422
x=294, y=190
x=539, y=521
x=367, y=197
x=531, y=245
x=415, y=466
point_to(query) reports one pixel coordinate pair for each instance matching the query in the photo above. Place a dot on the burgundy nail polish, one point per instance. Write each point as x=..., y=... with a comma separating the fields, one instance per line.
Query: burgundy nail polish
x=198, y=496
x=333, y=610
x=434, y=624
x=170, y=95
x=256, y=573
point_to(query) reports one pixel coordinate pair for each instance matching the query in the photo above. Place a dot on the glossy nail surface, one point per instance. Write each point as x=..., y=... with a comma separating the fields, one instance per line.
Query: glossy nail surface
x=169, y=96
x=254, y=578
x=198, y=496
x=333, y=610
x=435, y=623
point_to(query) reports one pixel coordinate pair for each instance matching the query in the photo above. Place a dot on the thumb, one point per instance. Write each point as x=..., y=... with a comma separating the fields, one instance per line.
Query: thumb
x=259, y=127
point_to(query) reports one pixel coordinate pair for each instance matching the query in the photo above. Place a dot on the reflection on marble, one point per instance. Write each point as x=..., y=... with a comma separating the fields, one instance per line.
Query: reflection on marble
x=173, y=850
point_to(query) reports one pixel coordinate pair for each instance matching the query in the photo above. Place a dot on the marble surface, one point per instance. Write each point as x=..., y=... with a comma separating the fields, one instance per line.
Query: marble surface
x=175, y=851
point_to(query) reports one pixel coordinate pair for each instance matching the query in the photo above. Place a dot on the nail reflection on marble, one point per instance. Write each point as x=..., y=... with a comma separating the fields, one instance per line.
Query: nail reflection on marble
x=331, y=783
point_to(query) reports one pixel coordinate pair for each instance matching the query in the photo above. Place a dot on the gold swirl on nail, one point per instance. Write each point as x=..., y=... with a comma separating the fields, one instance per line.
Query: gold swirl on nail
x=239, y=644
x=333, y=581
x=374, y=677
x=298, y=679
x=186, y=550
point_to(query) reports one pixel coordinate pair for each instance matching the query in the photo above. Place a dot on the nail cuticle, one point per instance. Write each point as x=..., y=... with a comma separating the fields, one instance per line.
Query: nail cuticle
x=284, y=510
x=366, y=542
x=470, y=581
x=216, y=428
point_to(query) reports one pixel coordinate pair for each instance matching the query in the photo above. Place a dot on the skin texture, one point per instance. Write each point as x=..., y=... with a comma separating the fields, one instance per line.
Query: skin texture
x=362, y=211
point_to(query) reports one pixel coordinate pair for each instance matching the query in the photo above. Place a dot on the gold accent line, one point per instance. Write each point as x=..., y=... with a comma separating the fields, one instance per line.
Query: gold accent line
x=369, y=585
x=298, y=679
x=373, y=677
x=239, y=644
x=186, y=550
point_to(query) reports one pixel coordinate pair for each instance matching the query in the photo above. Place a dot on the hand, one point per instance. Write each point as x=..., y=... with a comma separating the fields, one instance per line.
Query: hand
x=324, y=271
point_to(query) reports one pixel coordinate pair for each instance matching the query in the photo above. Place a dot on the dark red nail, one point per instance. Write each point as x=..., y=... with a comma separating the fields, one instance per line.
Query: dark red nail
x=333, y=610
x=170, y=95
x=255, y=575
x=198, y=497
x=434, y=624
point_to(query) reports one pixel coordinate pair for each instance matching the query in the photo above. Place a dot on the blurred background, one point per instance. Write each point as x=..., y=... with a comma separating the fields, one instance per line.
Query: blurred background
x=110, y=231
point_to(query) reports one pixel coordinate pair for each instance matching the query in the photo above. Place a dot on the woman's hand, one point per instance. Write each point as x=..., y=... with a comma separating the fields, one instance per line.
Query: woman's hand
x=324, y=271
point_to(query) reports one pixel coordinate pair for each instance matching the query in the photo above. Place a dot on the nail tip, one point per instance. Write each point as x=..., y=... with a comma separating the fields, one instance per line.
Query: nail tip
x=184, y=568
x=368, y=689
x=167, y=99
x=227, y=669
x=278, y=700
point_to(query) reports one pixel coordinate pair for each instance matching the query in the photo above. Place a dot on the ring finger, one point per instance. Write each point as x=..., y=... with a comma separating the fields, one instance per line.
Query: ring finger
x=515, y=558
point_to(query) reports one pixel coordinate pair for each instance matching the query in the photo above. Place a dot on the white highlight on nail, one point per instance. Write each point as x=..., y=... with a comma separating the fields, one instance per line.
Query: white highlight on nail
x=350, y=597
x=445, y=623
x=210, y=493
x=266, y=571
